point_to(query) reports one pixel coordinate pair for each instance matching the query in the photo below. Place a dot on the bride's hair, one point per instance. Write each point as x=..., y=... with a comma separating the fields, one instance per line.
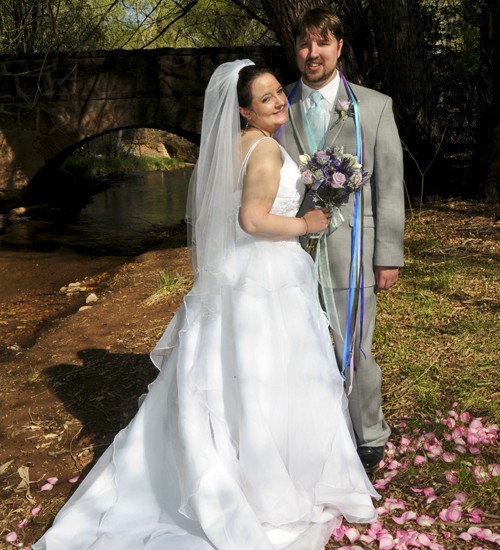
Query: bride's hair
x=245, y=78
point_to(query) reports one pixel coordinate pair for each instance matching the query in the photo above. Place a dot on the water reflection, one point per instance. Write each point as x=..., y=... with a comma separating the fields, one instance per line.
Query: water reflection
x=118, y=221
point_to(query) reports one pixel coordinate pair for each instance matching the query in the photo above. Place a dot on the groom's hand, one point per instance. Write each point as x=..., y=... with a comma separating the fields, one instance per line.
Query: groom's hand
x=385, y=277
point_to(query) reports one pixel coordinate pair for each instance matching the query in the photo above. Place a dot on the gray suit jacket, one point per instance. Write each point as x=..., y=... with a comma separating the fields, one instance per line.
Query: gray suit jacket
x=383, y=193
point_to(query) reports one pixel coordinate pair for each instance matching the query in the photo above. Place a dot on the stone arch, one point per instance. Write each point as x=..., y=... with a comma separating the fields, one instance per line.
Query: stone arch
x=50, y=103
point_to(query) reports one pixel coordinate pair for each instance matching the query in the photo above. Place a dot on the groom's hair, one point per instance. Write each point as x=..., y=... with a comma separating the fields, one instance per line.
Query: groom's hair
x=320, y=21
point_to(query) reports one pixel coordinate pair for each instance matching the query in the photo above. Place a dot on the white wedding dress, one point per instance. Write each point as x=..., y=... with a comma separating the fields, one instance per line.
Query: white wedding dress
x=243, y=440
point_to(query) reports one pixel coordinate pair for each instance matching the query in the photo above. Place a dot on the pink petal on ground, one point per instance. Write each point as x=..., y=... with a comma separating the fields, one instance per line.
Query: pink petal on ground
x=386, y=542
x=474, y=450
x=473, y=438
x=338, y=534
x=73, y=479
x=480, y=474
x=352, y=534
x=394, y=465
x=419, y=460
x=476, y=515
x=449, y=422
x=46, y=487
x=395, y=504
x=424, y=539
x=405, y=440
x=381, y=484
x=400, y=425
x=494, y=469
x=11, y=537
x=367, y=539
x=403, y=518
x=35, y=511
x=23, y=524
x=455, y=513
x=52, y=480
x=461, y=449
x=425, y=521
x=465, y=417
x=476, y=424
x=449, y=457
x=443, y=514
x=461, y=496
x=451, y=477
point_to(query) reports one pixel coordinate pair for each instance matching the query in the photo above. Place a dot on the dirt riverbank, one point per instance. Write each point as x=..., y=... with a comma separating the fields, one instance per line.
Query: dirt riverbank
x=60, y=404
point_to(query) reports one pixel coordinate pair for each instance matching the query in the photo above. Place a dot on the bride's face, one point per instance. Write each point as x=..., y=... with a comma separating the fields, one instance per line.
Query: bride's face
x=267, y=112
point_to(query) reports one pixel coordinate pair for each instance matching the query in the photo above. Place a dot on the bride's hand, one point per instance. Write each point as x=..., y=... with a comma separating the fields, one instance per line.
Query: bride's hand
x=317, y=220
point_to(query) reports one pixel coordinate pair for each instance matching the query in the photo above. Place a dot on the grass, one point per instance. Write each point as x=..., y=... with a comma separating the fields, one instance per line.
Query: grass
x=85, y=167
x=437, y=332
x=168, y=284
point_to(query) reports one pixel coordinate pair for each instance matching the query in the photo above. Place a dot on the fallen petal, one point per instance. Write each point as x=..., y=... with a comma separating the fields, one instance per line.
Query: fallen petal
x=52, y=480
x=23, y=524
x=419, y=460
x=352, y=534
x=35, y=511
x=425, y=521
x=46, y=487
x=73, y=479
x=11, y=537
x=494, y=469
x=449, y=457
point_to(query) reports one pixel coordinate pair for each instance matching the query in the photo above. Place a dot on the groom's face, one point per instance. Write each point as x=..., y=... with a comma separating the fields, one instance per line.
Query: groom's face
x=317, y=58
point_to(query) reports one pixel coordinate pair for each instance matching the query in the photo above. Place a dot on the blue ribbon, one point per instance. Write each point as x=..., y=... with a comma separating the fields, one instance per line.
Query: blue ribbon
x=355, y=296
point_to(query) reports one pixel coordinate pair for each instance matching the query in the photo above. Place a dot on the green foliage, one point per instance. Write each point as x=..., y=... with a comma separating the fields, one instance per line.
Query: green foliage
x=437, y=333
x=28, y=26
x=453, y=34
x=168, y=284
x=95, y=167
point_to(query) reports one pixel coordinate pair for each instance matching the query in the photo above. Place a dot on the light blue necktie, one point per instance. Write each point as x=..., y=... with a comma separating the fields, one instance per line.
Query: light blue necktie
x=315, y=117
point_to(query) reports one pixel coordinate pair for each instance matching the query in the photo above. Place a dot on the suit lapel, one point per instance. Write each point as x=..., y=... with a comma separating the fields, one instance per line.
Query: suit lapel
x=295, y=114
x=336, y=129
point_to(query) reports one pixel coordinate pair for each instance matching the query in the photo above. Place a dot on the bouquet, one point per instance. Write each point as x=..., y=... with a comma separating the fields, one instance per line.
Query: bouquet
x=331, y=175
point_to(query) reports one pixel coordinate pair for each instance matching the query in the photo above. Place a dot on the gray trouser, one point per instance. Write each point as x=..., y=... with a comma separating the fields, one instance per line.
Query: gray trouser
x=365, y=399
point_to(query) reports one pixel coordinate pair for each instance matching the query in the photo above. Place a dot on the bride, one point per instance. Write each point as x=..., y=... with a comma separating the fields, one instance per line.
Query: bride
x=243, y=441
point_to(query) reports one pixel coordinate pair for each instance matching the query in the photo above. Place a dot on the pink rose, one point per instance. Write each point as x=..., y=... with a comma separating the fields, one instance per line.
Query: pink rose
x=338, y=179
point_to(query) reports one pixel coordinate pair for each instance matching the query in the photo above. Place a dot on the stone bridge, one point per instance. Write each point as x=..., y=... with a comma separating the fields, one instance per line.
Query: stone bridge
x=51, y=104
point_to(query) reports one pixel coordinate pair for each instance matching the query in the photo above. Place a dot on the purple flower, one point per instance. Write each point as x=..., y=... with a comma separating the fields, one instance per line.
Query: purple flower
x=322, y=157
x=307, y=177
x=342, y=106
x=338, y=179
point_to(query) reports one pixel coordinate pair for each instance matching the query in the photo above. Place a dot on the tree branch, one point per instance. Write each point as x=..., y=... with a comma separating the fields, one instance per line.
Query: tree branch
x=252, y=13
x=185, y=10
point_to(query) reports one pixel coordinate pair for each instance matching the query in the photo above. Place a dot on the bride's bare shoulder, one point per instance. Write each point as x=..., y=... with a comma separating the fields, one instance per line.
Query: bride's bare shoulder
x=264, y=146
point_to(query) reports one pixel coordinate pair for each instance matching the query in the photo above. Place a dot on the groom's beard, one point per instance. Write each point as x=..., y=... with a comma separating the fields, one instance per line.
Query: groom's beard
x=318, y=78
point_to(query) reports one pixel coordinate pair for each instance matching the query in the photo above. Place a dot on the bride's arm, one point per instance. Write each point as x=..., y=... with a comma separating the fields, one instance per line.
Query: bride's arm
x=260, y=186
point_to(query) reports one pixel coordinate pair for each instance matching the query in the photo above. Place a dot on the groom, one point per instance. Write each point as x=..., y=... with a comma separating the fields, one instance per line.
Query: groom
x=318, y=44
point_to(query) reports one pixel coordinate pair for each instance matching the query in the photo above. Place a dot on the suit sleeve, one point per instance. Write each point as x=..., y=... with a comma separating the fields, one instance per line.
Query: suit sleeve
x=389, y=192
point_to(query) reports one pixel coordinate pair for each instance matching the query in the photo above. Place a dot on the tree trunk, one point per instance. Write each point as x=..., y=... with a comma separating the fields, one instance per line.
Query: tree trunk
x=281, y=16
x=404, y=74
x=402, y=59
x=487, y=154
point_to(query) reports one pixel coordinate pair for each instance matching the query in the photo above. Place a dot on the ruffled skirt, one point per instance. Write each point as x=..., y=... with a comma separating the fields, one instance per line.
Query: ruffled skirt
x=243, y=441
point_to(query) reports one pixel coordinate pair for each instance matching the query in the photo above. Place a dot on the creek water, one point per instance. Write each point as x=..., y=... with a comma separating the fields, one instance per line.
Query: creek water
x=42, y=253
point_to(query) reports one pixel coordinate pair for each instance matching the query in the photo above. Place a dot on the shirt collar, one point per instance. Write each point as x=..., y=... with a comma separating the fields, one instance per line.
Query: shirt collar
x=329, y=91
